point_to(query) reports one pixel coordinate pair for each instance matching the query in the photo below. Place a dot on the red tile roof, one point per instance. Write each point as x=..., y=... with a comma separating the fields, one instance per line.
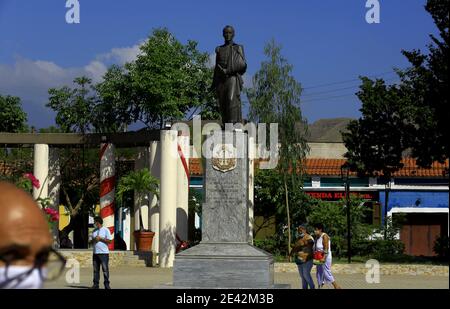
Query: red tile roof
x=410, y=169
x=324, y=167
x=332, y=167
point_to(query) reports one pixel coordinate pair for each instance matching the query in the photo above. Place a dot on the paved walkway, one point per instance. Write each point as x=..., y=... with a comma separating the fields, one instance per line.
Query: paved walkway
x=141, y=278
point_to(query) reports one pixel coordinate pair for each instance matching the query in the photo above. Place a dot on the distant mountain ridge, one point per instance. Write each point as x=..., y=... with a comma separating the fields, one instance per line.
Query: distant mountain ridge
x=327, y=130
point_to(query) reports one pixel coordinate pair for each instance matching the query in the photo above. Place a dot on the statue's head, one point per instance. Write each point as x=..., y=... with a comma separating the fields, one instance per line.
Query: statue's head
x=228, y=33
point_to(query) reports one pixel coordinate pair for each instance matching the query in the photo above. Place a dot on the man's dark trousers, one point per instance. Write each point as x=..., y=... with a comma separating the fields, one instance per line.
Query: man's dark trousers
x=103, y=260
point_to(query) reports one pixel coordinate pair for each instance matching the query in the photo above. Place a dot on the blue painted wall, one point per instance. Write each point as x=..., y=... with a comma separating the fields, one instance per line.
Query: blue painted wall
x=419, y=199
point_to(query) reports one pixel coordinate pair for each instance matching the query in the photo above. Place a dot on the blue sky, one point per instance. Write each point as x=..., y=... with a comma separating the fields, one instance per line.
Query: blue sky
x=328, y=42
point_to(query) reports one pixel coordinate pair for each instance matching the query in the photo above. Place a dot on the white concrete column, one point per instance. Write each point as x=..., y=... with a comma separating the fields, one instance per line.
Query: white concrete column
x=54, y=184
x=40, y=170
x=139, y=164
x=168, y=199
x=155, y=169
x=251, y=185
x=183, y=186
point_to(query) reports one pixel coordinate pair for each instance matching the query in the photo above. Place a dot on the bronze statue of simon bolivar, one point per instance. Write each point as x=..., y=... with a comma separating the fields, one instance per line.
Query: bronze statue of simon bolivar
x=227, y=80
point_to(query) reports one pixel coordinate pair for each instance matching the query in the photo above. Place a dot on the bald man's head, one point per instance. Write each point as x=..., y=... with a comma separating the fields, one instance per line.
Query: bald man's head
x=22, y=225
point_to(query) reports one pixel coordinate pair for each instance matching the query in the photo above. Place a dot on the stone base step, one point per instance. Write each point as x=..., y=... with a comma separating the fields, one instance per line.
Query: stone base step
x=223, y=265
x=116, y=258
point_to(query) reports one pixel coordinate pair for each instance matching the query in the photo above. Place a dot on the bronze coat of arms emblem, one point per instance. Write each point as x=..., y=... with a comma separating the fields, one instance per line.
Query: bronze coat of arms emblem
x=224, y=158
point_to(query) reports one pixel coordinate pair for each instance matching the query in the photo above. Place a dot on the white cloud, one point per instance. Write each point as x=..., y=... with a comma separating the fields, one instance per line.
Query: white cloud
x=122, y=55
x=118, y=55
x=96, y=70
x=30, y=76
x=30, y=79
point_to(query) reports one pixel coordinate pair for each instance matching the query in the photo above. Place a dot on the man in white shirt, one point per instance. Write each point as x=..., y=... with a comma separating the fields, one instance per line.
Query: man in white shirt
x=101, y=237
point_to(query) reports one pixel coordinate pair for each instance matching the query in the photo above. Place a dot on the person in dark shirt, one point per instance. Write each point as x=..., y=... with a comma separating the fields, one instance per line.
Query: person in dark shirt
x=303, y=251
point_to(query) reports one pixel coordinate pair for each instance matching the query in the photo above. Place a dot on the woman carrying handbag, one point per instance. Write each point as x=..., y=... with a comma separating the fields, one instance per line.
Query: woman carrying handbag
x=322, y=257
x=303, y=251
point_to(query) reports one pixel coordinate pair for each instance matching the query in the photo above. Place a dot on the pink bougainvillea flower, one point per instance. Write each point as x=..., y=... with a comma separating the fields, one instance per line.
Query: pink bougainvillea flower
x=34, y=180
x=51, y=211
x=52, y=214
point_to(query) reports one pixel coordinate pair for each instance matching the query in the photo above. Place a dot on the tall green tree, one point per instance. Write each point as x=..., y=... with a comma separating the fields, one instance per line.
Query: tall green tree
x=115, y=107
x=411, y=116
x=13, y=120
x=375, y=142
x=106, y=107
x=210, y=108
x=79, y=167
x=427, y=84
x=12, y=117
x=168, y=79
x=79, y=190
x=275, y=98
x=408, y=118
x=73, y=106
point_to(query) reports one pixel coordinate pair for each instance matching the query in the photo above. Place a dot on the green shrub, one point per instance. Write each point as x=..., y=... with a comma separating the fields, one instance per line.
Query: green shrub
x=362, y=248
x=387, y=250
x=334, y=218
x=380, y=249
x=275, y=245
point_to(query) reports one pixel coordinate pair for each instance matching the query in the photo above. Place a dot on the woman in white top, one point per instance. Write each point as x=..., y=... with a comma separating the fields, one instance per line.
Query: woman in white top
x=323, y=244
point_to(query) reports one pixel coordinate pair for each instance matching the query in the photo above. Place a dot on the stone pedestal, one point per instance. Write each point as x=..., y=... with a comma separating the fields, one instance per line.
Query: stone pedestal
x=224, y=258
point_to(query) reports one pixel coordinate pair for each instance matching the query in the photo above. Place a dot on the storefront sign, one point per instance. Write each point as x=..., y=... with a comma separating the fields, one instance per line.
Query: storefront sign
x=338, y=195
